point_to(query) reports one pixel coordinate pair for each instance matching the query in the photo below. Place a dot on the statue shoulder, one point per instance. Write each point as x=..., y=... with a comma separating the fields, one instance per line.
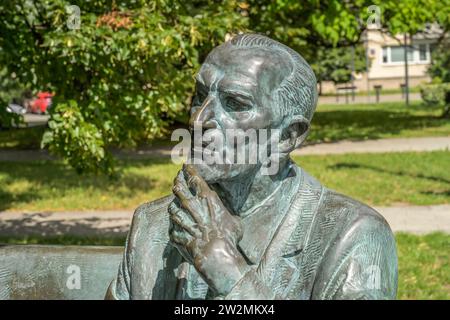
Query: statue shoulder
x=351, y=215
x=358, y=240
x=153, y=210
x=150, y=222
x=327, y=214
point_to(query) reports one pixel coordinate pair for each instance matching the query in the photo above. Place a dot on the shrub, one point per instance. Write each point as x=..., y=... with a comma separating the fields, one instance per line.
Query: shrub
x=434, y=94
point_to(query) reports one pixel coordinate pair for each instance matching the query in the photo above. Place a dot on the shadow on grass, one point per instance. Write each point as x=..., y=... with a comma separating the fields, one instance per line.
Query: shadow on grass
x=445, y=193
x=344, y=165
x=8, y=198
x=330, y=126
x=59, y=178
x=22, y=138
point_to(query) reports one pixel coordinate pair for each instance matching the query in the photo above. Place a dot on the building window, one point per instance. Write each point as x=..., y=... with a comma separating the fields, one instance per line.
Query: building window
x=423, y=52
x=385, y=55
x=415, y=54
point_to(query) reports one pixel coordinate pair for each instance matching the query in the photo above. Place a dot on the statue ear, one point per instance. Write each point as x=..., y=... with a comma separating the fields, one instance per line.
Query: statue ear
x=294, y=134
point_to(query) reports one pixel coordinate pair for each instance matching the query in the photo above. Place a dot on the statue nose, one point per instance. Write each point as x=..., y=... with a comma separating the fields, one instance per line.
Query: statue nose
x=204, y=115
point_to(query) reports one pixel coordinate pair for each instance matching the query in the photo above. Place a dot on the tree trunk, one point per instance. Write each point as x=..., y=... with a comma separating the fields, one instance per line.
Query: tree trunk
x=446, y=113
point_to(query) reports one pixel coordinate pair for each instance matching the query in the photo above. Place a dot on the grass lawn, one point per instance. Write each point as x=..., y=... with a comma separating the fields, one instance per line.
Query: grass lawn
x=376, y=121
x=424, y=262
x=424, y=266
x=377, y=179
x=330, y=123
x=21, y=138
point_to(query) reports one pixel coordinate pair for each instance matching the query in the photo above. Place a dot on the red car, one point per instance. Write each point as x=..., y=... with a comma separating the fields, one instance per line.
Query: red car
x=43, y=101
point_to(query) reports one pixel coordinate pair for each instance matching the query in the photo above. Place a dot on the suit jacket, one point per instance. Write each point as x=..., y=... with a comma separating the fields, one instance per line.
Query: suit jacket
x=325, y=246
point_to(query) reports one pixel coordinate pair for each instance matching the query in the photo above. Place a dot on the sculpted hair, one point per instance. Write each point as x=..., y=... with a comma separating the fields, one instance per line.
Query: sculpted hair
x=297, y=94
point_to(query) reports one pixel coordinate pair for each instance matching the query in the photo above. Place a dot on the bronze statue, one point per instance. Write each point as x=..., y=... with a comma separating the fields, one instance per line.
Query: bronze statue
x=231, y=232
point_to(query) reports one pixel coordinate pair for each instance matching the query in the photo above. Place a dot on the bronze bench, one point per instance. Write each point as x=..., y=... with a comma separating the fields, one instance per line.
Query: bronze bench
x=57, y=272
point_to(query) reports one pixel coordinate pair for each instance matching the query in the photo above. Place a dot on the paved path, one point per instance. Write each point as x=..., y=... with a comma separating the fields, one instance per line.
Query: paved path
x=414, y=219
x=418, y=219
x=368, y=146
x=82, y=223
x=378, y=146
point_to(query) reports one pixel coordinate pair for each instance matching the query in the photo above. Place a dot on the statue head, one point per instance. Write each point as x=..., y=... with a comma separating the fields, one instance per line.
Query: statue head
x=253, y=82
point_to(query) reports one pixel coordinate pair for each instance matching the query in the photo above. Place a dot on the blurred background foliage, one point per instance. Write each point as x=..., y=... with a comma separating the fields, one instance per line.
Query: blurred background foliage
x=126, y=74
x=438, y=92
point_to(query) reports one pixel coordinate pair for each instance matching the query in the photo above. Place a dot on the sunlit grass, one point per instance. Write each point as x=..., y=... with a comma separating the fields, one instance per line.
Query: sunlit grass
x=419, y=178
x=424, y=266
x=377, y=179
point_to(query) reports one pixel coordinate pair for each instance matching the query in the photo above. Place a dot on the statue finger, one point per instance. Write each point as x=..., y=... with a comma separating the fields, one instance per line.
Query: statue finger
x=183, y=242
x=195, y=181
x=211, y=208
x=180, y=188
x=187, y=200
x=180, y=179
x=185, y=222
x=191, y=209
x=180, y=237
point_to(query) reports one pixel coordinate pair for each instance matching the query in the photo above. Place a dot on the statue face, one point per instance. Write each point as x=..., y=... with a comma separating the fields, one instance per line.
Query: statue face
x=234, y=91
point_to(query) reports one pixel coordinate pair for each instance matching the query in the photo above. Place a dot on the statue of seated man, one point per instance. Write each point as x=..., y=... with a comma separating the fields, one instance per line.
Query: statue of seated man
x=233, y=231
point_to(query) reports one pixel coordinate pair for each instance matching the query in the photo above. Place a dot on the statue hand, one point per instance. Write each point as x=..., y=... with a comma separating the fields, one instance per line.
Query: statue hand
x=205, y=232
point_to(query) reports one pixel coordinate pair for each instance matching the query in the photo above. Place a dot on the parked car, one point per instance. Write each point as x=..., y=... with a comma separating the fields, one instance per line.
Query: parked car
x=42, y=103
x=15, y=108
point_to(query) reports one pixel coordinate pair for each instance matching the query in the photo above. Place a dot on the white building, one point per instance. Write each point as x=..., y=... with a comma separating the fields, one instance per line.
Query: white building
x=387, y=66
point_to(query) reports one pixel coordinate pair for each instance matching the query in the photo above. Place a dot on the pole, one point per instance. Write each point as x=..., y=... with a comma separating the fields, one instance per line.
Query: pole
x=366, y=40
x=353, y=73
x=405, y=38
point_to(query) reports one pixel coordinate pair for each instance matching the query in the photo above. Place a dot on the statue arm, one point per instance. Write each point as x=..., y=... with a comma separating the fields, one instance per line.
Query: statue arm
x=142, y=270
x=119, y=288
x=361, y=264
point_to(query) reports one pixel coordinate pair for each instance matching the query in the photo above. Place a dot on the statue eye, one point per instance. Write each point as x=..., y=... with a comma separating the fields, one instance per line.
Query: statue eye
x=235, y=105
x=200, y=96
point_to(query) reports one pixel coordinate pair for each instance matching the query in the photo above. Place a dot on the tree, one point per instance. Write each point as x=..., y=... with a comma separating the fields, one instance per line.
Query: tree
x=126, y=73
x=120, y=78
x=306, y=25
x=336, y=64
x=439, y=69
x=10, y=88
x=438, y=93
x=321, y=30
